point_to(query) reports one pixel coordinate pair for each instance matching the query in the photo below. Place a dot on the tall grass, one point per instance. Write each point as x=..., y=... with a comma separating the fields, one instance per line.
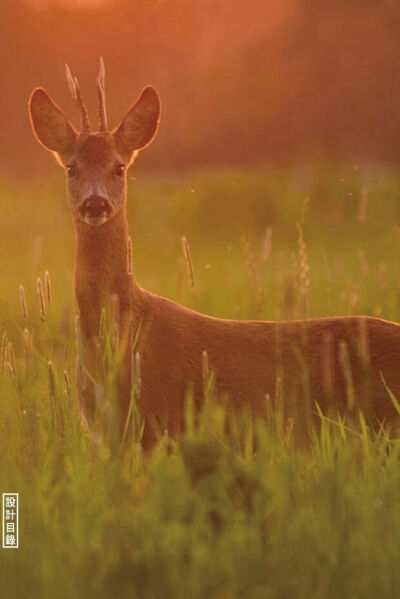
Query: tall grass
x=212, y=514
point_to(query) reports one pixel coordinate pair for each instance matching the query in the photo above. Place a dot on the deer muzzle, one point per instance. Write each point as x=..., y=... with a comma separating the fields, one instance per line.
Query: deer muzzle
x=95, y=210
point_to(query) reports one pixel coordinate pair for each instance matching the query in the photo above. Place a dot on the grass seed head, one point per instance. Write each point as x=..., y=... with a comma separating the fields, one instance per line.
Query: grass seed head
x=22, y=299
x=136, y=375
x=47, y=284
x=303, y=271
x=4, y=342
x=52, y=380
x=188, y=261
x=52, y=390
x=67, y=387
x=129, y=256
x=39, y=289
x=205, y=370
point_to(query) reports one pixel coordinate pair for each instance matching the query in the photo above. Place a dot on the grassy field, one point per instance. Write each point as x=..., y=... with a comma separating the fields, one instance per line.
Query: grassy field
x=205, y=516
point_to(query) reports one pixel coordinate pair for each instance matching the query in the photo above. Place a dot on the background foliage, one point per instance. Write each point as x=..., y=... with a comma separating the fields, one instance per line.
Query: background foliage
x=240, y=82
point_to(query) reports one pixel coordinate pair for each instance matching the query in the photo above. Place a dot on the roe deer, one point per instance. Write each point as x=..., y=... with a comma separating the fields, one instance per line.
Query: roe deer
x=339, y=362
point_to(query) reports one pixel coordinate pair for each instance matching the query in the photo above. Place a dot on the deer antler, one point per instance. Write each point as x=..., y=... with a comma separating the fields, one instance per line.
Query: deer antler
x=102, y=97
x=76, y=94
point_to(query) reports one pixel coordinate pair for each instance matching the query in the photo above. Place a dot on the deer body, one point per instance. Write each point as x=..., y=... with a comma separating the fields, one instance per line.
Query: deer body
x=249, y=358
x=338, y=362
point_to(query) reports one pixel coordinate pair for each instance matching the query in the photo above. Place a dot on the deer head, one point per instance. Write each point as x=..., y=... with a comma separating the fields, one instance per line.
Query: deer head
x=95, y=162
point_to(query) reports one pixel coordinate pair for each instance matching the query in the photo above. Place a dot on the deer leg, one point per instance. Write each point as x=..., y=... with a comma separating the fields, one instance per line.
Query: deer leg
x=124, y=376
x=90, y=389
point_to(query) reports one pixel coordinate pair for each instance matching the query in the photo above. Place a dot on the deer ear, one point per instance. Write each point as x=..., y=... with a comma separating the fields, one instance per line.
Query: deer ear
x=49, y=123
x=139, y=126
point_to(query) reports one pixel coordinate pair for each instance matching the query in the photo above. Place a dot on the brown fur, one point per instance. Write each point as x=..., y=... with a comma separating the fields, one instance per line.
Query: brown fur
x=336, y=362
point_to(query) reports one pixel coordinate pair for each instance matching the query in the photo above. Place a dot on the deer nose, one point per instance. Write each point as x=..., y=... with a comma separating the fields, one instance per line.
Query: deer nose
x=95, y=206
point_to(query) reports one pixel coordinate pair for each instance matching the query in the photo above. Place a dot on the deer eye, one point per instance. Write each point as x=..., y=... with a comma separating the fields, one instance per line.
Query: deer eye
x=119, y=170
x=71, y=170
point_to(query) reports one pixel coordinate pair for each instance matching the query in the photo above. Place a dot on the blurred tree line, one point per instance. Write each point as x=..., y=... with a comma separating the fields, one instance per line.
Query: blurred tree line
x=240, y=82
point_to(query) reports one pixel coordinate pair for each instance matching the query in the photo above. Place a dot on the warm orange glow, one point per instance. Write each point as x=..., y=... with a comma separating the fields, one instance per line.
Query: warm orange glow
x=67, y=3
x=238, y=82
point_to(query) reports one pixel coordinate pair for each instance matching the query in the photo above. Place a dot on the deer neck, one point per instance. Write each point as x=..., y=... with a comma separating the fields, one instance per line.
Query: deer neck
x=102, y=272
